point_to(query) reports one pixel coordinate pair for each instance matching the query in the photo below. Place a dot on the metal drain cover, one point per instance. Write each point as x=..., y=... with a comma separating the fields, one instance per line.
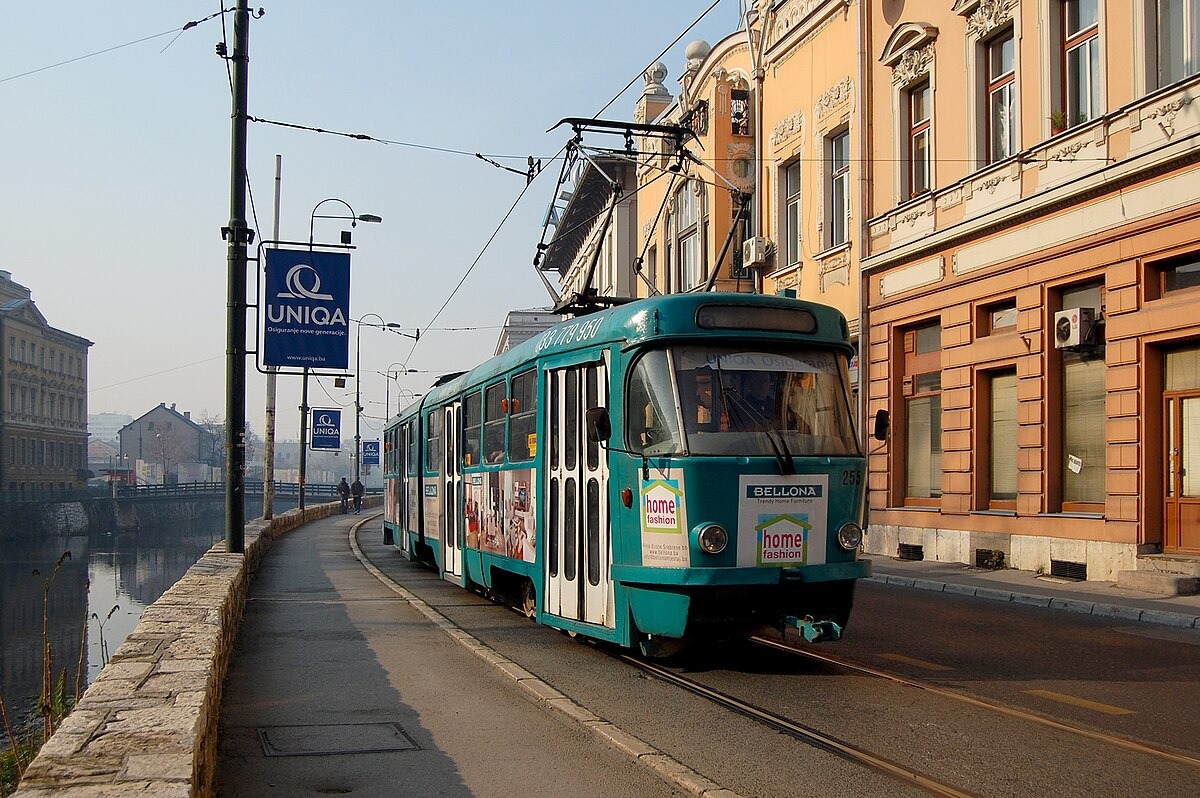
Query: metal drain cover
x=342, y=738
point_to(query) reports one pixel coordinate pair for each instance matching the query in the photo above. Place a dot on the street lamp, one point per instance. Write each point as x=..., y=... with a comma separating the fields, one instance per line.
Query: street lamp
x=354, y=218
x=388, y=376
x=382, y=325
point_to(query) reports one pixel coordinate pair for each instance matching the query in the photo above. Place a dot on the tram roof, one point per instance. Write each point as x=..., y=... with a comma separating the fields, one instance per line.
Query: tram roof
x=673, y=316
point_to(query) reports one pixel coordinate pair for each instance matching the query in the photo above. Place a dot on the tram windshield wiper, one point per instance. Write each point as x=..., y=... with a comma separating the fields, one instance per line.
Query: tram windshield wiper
x=735, y=405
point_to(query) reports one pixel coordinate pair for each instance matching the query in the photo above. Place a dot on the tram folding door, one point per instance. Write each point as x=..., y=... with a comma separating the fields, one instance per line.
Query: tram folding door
x=578, y=532
x=451, y=493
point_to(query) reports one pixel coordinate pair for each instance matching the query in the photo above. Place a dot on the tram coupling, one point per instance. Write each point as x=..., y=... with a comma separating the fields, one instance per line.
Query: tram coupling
x=814, y=631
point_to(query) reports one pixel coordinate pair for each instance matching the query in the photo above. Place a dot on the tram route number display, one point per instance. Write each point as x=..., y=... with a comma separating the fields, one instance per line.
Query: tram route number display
x=782, y=520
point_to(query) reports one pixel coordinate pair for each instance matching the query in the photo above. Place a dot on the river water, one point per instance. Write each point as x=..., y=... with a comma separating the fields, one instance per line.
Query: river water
x=90, y=605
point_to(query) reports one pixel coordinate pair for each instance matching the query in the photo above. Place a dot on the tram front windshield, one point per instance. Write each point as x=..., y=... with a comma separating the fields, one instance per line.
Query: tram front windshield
x=740, y=401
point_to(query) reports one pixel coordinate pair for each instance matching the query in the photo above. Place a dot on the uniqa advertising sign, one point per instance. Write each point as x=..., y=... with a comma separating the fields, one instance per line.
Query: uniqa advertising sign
x=370, y=453
x=326, y=429
x=307, y=303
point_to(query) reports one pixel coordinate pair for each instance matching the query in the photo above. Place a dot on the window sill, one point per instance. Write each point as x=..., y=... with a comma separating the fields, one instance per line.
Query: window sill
x=1002, y=513
x=1086, y=516
x=836, y=250
x=914, y=508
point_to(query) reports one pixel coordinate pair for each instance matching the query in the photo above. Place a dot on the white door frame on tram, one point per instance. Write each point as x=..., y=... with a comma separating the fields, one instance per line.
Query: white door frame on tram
x=579, y=535
x=451, y=492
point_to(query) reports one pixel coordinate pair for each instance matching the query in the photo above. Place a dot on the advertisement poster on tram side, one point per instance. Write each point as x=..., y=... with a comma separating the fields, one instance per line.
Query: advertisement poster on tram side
x=782, y=520
x=499, y=513
x=664, y=524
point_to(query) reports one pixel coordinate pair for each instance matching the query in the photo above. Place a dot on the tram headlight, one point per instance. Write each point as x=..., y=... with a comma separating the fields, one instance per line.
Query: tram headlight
x=713, y=538
x=849, y=537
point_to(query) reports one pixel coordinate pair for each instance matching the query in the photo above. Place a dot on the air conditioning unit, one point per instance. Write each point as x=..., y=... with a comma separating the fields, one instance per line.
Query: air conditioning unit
x=1073, y=327
x=754, y=251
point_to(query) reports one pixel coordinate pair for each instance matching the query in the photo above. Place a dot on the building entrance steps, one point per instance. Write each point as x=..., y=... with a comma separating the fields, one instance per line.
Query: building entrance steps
x=1164, y=574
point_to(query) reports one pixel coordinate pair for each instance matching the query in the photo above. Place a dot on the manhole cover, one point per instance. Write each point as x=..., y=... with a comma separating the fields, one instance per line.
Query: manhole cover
x=341, y=738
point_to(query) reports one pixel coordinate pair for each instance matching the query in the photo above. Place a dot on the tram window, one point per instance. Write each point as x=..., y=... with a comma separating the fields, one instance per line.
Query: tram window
x=433, y=441
x=552, y=428
x=493, y=423
x=522, y=437
x=411, y=437
x=651, y=422
x=570, y=529
x=593, y=531
x=571, y=420
x=552, y=541
x=472, y=426
x=591, y=398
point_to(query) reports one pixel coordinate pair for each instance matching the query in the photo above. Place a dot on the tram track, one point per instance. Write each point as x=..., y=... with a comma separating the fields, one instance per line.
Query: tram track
x=803, y=733
x=1127, y=743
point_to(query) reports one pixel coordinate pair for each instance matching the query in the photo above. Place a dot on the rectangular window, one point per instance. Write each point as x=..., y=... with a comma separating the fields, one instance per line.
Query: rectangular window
x=410, y=435
x=522, y=439
x=433, y=441
x=686, y=222
x=1180, y=273
x=494, y=412
x=839, y=188
x=920, y=123
x=1081, y=60
x=1176, y=24
x=1002, y=445
x=791, y=201
x=472, y=428
x=923, y=415
x=1002, y=97
x=1083, y=468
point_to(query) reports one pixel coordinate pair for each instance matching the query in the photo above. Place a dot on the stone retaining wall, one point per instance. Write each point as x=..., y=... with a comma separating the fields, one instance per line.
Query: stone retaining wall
x=148, y=723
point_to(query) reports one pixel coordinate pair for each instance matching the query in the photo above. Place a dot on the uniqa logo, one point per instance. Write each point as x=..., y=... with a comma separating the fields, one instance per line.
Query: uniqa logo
x=296, y=289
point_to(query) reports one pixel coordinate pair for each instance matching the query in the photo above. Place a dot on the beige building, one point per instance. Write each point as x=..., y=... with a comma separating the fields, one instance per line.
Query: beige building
x=1031, y=275
x=43, y=389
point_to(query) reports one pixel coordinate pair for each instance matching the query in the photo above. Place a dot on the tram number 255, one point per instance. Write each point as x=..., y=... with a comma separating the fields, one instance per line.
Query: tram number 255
x=852, y=477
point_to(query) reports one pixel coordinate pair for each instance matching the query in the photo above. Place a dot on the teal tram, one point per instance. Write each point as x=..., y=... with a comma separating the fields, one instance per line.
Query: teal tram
x=665, y=471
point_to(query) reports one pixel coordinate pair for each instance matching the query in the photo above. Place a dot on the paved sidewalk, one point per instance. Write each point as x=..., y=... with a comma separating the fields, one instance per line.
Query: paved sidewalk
x=339, y=685
x=1026, y=587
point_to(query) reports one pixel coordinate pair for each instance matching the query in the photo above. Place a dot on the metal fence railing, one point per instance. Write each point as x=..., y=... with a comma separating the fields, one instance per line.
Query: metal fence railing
x=182, y=489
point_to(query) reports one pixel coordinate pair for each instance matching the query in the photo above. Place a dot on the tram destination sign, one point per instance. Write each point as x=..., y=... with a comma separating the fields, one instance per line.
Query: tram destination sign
x=306, y=298
x=326, y=429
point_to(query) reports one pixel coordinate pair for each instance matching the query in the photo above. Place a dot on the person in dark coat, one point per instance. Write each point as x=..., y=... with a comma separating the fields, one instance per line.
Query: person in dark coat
x=356, y=490
x=344, y=492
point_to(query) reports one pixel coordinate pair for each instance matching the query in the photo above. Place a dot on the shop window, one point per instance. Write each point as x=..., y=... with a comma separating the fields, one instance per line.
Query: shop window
x=922, y=386
x=1083, y=468
x=1002, y=440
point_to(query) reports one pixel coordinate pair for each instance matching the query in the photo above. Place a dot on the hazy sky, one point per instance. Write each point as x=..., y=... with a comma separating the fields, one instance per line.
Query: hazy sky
x=114, y=179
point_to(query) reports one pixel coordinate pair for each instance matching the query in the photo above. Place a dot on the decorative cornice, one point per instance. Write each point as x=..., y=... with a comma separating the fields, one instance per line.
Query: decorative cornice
x=990, y=14
x=834, y=96
x=786, y=128
x=912, y=64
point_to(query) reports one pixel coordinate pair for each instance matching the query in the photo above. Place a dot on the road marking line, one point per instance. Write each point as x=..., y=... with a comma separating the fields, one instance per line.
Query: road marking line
x=1063, y=698
x=920, y=663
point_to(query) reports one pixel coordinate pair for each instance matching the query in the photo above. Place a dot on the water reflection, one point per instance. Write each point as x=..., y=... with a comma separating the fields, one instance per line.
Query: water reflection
x=128, y=570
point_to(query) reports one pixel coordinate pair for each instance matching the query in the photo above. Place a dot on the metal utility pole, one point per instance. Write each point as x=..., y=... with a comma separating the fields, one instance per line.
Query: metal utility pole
x=238, y=237
x=269, y=433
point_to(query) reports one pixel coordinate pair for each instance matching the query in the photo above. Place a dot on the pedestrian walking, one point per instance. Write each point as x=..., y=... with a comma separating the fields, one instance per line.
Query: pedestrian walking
x=356, y=490
x=344, y=492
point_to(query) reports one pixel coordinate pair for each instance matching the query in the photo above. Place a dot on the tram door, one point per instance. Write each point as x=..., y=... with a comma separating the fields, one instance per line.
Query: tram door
x=451, y=492
x=578, y=532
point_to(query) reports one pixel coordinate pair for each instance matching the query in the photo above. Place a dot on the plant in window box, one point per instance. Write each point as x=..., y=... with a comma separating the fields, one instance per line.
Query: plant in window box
x=1058, y=122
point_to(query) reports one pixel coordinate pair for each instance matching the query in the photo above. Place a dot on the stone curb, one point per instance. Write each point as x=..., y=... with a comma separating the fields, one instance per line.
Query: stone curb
x=1162, y=617
x=662, y=765
x=149, y=722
